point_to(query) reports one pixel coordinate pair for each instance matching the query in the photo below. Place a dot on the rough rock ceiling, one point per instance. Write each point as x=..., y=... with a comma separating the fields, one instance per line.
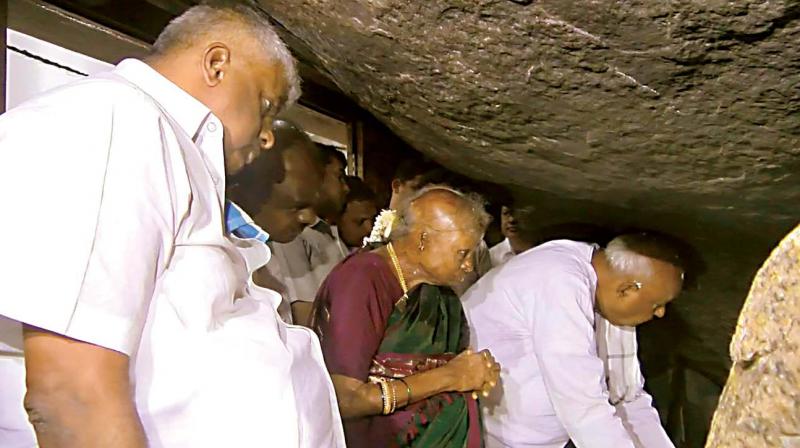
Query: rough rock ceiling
x=668, y=106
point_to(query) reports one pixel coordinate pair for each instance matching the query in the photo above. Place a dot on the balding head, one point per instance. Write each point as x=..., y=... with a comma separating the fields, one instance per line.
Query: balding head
x=279, y=187
x=227, y=56
x=439, y=228
x=240, y=21
x=440, y=208
x=638, y=274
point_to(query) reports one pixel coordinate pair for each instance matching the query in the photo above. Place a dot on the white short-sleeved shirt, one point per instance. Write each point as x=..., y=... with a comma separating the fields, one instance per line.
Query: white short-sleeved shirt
x=304, y=263
x=536, y=315
x=501, y=252
x=124, y=247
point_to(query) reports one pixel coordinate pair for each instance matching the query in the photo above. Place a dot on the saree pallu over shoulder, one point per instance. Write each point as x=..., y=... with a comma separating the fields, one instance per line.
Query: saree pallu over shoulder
x=426, y=334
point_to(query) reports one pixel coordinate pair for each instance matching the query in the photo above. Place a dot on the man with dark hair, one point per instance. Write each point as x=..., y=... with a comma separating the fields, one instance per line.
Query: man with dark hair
x=413, y=174
x=334, y=188
x=302, y=265
x=360, y=210
x=518, y=237
x=279, y=188
x=542, y=315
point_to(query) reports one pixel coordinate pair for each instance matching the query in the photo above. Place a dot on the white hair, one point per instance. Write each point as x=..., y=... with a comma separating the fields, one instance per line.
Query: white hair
x=623, y=259
x=226, y=18
x=407, y=217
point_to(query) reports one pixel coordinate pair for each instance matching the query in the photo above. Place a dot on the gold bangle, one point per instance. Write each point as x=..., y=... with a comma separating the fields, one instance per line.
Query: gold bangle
x=385, y=396
x=394, y=397
x=408, y=390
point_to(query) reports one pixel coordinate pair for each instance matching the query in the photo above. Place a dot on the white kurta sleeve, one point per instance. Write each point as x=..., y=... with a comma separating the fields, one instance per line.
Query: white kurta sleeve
x=643, y=423
x=565, y=346
x=89, y=217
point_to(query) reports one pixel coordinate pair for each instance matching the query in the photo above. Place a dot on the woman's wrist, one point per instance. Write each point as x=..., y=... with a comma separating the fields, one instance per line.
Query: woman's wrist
x=448, y=379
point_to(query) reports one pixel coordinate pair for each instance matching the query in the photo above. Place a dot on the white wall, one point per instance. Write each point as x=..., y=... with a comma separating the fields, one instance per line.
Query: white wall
x=27, y=76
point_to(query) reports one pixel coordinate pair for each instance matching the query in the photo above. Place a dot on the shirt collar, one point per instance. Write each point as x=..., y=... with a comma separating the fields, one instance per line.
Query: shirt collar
x=241, y=225
x=322, y=226
x=186, y=110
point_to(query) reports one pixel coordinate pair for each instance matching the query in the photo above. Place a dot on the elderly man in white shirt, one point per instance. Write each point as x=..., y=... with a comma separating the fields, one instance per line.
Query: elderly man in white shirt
x=150, y=331
x=537, y=314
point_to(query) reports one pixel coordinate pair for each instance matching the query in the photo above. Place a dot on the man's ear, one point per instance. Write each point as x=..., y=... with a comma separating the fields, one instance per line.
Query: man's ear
x=216, y=60
x=267, y=139
x=396, y=185
x=628, y=289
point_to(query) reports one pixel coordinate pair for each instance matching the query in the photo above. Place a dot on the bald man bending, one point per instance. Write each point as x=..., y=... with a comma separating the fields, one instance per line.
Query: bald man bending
x=542, y=314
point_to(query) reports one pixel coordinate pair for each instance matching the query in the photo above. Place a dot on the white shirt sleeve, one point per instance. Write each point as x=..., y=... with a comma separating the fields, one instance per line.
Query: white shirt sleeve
x=643, y=423
x=564, y=343
x=89, y=217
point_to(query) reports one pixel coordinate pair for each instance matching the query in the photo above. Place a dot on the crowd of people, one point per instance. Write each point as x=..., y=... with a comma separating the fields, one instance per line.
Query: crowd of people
x=215, y=279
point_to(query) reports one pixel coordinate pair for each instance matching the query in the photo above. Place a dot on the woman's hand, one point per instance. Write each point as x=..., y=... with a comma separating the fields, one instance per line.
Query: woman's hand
x=467, y=372
x=473, y=372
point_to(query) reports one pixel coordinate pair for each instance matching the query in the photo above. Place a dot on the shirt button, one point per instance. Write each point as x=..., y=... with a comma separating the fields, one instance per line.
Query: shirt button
x=211, y=127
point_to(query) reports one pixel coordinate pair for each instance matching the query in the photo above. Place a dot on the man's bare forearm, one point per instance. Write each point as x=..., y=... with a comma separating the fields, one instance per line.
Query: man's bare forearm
x=63, y=421
x=79, y=394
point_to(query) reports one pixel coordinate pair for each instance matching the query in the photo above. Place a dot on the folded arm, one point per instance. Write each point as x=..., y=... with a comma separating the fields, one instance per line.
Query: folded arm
x=467, y=372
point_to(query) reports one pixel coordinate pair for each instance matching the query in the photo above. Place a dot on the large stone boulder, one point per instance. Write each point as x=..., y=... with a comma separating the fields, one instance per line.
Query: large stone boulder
x=760, y=407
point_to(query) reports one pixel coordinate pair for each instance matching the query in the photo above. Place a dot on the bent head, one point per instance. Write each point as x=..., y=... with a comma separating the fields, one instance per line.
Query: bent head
x=227, y=55
x=637, y=276
x=439, y=229
x=280, y=187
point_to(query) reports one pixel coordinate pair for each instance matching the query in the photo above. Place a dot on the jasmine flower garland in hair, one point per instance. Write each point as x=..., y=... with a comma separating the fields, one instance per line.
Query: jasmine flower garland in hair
x=382, y=228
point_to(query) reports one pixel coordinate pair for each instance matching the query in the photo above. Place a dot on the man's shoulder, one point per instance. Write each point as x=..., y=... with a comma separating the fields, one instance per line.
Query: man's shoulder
x=90, y=96
x=500, y=247
x=318, y=233
x=554, y=258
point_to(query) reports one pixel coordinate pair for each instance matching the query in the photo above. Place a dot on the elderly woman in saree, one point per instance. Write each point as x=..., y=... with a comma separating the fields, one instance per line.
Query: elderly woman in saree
x=394, y=336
